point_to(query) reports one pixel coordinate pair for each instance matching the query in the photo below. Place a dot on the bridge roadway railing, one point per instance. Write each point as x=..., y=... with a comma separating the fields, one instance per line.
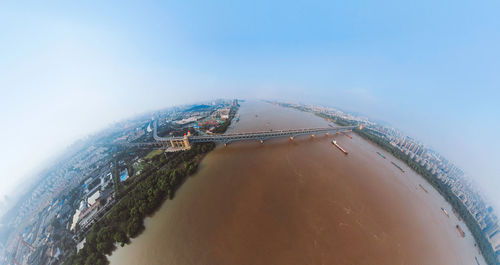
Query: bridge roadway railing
x=260, y=135
x=226, y=138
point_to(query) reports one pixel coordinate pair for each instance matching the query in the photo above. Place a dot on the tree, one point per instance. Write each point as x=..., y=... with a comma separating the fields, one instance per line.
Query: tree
x=176, y=176
x=120, y=237
x=105, y=247
x=123, y=215
x=104, y=234
x=142, y=195
x=134, y=227
x=134, y=212
x=191, y=169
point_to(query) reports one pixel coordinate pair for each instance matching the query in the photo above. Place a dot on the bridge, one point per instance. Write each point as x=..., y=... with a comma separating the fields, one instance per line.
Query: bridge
x=261, y=136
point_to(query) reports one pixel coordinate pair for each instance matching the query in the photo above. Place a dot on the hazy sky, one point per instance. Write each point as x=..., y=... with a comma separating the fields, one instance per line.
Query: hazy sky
x=430, y=68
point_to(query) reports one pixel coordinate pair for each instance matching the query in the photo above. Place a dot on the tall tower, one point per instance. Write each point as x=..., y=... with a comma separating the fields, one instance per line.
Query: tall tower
x=187, y=145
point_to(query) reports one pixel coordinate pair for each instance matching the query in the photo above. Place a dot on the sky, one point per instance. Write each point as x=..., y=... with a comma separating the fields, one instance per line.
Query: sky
x=429, y=68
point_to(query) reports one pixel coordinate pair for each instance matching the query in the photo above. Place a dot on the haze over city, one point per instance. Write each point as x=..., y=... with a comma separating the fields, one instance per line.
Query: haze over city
x=71, y=69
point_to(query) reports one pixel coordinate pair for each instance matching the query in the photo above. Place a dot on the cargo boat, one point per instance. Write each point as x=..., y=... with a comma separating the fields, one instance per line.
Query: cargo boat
x=422, y=187
x=339, y=147
x=445, y=212
x=462, y=233
x=396, y=165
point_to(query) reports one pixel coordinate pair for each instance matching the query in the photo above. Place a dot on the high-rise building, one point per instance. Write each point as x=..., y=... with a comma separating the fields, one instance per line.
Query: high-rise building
x=491, y=229
x=495, y=242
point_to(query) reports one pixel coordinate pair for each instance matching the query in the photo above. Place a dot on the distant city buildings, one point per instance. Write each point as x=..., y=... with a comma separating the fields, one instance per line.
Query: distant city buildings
x=51, y=211
x=79, y=189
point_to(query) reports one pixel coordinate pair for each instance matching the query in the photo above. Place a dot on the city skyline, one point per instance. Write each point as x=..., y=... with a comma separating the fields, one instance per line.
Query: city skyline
x=65, y=62
x=361, y=118
x=88, y=171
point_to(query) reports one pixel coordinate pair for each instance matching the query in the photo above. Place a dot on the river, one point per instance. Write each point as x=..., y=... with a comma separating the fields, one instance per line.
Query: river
x=300, y=202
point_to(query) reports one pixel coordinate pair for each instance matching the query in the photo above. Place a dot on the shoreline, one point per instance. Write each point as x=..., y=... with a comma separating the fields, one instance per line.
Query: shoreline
x=243, y=194
x=436, y=184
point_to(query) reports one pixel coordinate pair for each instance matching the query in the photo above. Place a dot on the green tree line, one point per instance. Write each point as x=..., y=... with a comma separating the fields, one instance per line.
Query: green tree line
x=141, y=197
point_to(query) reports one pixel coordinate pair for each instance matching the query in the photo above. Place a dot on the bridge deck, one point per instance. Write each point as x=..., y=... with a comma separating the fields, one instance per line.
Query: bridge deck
x=259, y=135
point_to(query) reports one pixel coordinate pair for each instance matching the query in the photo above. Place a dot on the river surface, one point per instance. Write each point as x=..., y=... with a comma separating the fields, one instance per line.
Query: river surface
x=300, y=202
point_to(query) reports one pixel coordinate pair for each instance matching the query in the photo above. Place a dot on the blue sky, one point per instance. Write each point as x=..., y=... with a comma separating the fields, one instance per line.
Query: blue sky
x=430, y=68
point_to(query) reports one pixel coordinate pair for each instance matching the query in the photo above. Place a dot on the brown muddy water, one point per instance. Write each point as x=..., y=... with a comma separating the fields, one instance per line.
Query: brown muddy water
x=300, y=202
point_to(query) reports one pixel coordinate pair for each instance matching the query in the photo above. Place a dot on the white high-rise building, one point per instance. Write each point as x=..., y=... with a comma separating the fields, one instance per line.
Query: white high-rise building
x=495, y=242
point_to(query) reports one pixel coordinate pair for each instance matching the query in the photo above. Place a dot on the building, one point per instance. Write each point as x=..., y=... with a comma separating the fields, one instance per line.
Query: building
x=495, y=242
x=93, y=198
x=491, y=228
x=76, y=217
x=223, y=114
x=87, y=216
x=124, y=175
x=188, y=120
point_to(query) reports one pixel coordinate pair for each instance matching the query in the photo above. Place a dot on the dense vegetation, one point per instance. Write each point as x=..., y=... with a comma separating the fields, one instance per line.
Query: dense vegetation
x=440, y=186
x=139, y=197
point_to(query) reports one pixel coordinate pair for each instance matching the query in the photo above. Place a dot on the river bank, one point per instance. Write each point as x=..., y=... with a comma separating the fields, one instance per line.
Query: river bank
x=300, y=202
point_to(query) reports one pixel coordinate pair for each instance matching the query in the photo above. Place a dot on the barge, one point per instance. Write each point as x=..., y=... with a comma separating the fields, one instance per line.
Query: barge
x=339, y=147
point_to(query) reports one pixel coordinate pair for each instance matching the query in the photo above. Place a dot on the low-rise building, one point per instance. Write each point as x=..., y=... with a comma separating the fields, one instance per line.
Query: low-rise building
x=93, y=198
